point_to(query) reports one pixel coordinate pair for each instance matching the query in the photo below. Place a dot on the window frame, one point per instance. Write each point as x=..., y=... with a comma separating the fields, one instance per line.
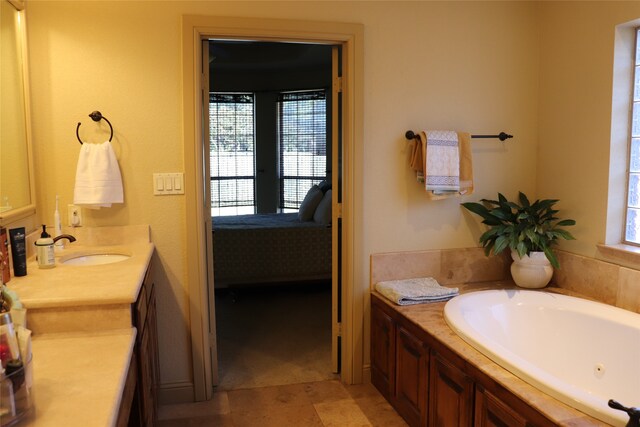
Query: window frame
x=634, y=104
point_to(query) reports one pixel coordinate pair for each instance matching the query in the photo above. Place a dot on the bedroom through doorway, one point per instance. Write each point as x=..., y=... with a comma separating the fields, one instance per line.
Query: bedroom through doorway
x=273, y=146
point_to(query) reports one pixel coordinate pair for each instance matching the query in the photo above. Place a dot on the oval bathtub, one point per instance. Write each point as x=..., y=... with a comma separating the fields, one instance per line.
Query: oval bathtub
x=581, y=352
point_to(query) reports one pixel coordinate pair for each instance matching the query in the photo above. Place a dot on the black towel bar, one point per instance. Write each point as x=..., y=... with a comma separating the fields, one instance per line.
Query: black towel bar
x=501, y=136
x=96, y=116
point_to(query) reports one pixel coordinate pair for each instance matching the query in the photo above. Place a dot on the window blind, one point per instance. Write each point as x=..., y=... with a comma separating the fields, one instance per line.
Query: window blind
x=302, y=132
x=232, y=153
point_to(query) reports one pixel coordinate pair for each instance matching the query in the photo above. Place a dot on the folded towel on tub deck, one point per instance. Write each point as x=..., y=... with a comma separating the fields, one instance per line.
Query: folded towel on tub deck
x=415, y=291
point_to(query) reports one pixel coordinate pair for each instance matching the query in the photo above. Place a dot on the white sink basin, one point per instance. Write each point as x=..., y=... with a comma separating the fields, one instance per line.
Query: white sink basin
x=95, y=259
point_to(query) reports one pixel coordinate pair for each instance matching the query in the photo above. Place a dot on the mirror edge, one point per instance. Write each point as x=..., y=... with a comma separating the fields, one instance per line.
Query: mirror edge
x=22, y=213
x=18, y=4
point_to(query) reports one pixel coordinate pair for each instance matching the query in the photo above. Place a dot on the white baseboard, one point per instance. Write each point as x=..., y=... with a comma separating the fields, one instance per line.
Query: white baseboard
x=180, y=392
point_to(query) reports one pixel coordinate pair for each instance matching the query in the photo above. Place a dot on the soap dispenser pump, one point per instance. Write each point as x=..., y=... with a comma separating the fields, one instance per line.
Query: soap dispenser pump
x=44, y=250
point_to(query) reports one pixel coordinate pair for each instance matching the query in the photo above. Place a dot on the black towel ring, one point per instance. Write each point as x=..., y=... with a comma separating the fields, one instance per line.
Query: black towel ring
x=96, y=116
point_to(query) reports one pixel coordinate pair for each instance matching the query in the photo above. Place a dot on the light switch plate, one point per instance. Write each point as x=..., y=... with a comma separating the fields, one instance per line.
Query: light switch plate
x=165, y=184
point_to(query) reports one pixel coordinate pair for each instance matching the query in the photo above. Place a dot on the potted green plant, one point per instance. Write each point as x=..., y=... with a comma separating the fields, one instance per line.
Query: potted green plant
x=528, y=229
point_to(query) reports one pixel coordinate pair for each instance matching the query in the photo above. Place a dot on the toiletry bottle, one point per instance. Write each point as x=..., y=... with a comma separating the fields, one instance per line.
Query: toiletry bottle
x=9, y=348
x=57, y=224
x=44, y=250
x=18, y=251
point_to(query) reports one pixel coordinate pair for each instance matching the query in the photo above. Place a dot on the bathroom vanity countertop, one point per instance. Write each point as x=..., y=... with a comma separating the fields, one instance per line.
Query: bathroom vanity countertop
x=430, y=317
x=79, y=378
x=72, y=286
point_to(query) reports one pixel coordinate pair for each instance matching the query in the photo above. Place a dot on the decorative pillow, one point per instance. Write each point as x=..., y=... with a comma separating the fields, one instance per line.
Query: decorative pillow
x=322, y=214
x=325, y=185
x=310, y=203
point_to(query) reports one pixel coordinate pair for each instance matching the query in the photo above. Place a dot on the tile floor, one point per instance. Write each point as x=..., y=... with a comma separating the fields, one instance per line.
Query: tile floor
x=322, y=403
x=274, y=335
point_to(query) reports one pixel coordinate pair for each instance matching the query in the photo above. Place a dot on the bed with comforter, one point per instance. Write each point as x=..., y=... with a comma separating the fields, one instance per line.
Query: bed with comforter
x=263, y=248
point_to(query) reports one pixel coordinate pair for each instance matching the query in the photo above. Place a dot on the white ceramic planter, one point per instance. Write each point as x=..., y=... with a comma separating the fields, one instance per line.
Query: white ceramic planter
x=532, y=271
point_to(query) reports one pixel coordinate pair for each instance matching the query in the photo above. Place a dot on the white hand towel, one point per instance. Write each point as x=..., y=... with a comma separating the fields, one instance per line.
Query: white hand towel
x=415, y=291
x=442, y=169
x=98, y=180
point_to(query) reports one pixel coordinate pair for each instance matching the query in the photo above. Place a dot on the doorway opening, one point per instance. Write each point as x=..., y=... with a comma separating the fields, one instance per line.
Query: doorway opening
x=199, y=245
x=270, y=162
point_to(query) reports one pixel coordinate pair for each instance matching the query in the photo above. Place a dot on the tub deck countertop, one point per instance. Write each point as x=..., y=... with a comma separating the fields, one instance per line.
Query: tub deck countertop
x=430, y=318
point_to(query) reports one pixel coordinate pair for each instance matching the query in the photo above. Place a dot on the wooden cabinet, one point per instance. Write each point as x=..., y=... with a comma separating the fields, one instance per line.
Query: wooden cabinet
x=492, y=412
x=451, y=395
x=128, y=395
x=144, y=408
x=431, y=385
x=412, y=364
x=399, y=366
x=383, y=344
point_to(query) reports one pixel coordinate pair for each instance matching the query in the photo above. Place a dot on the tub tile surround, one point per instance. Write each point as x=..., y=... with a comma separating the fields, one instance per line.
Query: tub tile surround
x=601, y=280
x=470, y=270
x=629, y=290
x=447, y=266
x=597, y=279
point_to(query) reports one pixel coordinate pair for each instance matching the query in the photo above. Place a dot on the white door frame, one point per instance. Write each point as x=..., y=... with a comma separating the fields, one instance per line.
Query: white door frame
x=350, y=36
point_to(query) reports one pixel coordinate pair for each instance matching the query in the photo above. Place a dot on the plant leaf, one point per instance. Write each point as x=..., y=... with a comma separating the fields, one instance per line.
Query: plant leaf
x=477, y=209
x=489, y=233
x=491, y=202
x=551, y=257
x=564, y=234
x=500, y=214
x=501, y=243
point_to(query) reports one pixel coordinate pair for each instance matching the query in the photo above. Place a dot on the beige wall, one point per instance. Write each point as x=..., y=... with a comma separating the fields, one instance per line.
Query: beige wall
x=576, y=72
x=464, y=65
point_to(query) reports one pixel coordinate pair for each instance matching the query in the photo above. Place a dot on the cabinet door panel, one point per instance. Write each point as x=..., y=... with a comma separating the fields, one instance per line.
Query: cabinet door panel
x=451, y=395
x=412, y=361
x=383, y=338
x=492, y=412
